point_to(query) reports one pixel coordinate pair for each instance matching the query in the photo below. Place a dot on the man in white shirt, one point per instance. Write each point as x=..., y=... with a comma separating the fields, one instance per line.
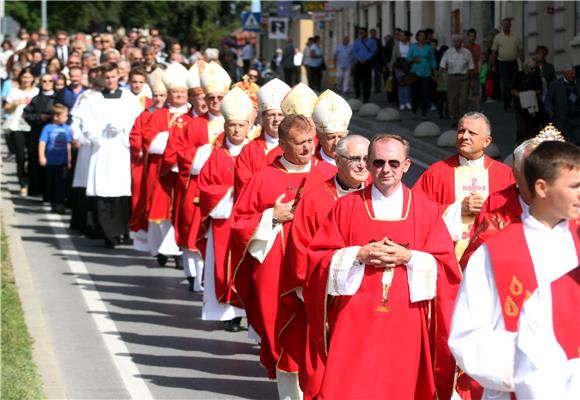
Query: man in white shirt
x=343, y=61
x=458, y=62
x=502, y=274
x=247, y=56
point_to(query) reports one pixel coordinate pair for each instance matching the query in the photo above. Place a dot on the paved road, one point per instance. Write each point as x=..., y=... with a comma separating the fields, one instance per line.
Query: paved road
x=122, y=327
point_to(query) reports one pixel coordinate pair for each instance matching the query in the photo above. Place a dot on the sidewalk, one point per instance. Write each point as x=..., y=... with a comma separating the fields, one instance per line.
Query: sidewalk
x=503, y=125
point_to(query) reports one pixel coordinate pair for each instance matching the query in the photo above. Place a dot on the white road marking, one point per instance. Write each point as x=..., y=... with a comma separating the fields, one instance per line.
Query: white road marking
x=135, y=385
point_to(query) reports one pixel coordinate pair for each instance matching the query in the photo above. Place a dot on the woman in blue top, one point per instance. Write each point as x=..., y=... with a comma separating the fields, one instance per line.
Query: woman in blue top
x=423, y=65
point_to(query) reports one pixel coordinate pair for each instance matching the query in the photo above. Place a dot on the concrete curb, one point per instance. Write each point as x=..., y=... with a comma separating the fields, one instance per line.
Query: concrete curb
x=42, y=350
x=393, y=127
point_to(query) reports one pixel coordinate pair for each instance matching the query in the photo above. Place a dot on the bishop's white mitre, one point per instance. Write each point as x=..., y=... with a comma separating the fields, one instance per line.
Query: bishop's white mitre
x=270, y=95
x=155, y=80
x=215, y=79
x=237, y=105
x=175, y=76
x=300, y=100
x=331, y=113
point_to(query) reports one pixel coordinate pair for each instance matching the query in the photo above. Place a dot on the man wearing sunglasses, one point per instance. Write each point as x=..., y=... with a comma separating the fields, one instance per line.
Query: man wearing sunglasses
x=374, y=266
x=461, y=183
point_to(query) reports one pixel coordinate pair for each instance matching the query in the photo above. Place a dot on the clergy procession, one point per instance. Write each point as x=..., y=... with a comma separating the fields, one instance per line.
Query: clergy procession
x=302, y=233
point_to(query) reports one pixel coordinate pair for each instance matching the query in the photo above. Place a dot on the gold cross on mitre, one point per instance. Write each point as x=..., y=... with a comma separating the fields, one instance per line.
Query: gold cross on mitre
x=547, y=134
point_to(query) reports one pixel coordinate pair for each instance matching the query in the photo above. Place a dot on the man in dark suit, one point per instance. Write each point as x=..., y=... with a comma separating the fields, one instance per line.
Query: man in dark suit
x=62, y=49
x=563, y=104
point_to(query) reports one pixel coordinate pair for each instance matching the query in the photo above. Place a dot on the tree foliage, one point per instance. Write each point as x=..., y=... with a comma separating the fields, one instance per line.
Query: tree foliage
x=200, y=22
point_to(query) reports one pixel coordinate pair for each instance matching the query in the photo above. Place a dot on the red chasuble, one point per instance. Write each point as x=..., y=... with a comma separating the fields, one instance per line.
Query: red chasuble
x=188, y=216
x=160, y=179
x=138, y=219
x=258, y=284
x=397, y=354
x=499, y=210
x=565, y=311
x=292, y=329
x=254, y=156
x=215, y=179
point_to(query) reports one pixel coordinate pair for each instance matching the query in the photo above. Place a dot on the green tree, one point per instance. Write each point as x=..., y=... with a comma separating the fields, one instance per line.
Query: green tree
x=200, y=22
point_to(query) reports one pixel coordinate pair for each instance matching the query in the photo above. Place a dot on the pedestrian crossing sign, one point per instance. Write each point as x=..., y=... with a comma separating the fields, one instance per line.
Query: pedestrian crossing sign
x=251, y=21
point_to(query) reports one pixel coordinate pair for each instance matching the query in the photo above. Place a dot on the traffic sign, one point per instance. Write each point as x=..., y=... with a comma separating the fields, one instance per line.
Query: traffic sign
x=278, y=28
x=251, y=21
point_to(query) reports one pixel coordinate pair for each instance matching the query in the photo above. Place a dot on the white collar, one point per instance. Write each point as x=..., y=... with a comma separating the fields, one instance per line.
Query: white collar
x=293, y=167
x=178, y=110
x=213, y=116
x=390, y=207
x=531, y=223
x=464, y=162
x=271, y=142
x=235, y=150
x=326, y=157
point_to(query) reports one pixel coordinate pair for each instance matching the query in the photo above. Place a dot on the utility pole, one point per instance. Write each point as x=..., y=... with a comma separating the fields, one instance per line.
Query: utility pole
x=43, y=14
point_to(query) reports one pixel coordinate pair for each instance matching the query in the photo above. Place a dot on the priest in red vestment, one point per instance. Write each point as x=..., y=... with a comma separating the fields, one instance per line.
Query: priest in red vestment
x=461, y=183
x=216, y=187
x=163, y=127
x=504, y=272
x=260, y=227
x=138, y=222
x=311, y=212
x=193, y=149
x=263, y=150
x=329, y=133
x=378, y=261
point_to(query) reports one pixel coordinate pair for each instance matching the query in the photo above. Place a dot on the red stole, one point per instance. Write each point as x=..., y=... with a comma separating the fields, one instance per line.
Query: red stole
x=258, y=284
x=565, y=311
x=513, y=269
x=254, y=156
x=370, y=354
x=215, y=179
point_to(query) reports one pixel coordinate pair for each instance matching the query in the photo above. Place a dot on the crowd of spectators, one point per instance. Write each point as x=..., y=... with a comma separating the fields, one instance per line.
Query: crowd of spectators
x=421, y=76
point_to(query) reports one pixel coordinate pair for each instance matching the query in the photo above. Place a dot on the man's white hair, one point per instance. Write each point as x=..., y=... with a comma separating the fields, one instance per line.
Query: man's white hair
x=343, y=143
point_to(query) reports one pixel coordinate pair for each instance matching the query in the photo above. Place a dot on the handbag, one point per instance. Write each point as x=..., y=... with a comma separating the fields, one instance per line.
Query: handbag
x=489, y=87
x=15, y=122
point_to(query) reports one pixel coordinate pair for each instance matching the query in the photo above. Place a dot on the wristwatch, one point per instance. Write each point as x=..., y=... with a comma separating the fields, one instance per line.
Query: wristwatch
x=275, y=222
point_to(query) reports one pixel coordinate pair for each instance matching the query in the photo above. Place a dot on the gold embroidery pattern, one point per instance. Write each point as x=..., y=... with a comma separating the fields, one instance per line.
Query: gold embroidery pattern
x=510, y=307
x=516, y=287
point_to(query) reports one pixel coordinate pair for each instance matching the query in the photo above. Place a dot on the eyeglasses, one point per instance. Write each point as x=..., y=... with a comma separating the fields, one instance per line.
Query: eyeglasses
x=216, y=98
x=354, y=159
x=253, y=76
x=394, y=164
x=46, y=81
